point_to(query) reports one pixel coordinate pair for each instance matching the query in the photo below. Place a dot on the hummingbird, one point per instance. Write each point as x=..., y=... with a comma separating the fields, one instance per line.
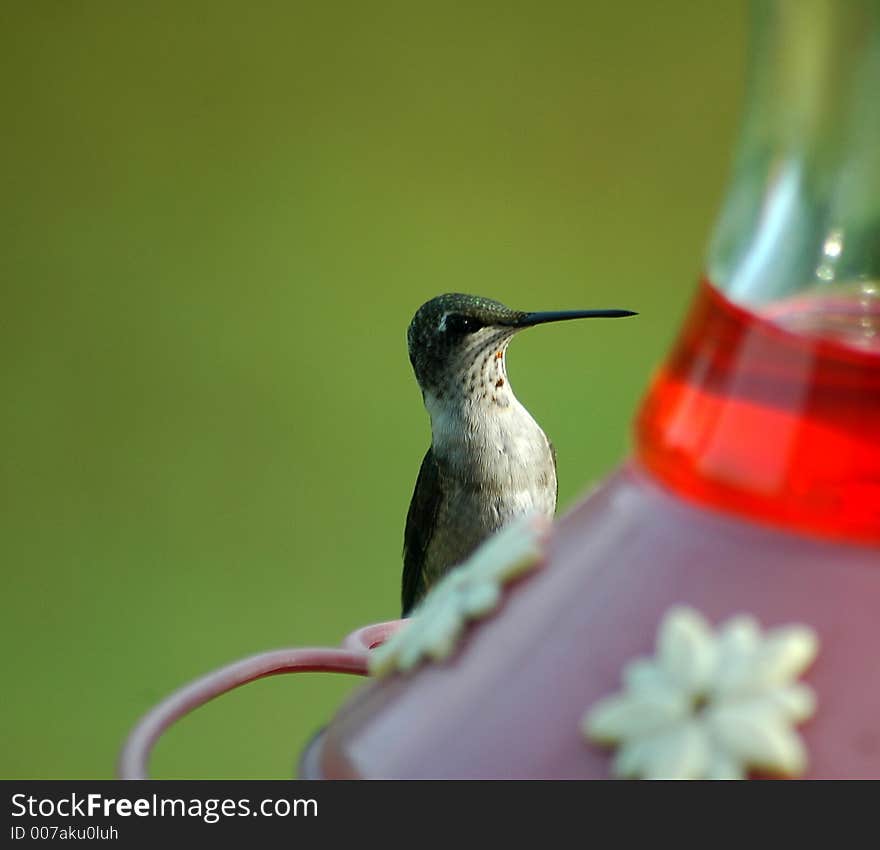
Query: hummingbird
x=489, y=461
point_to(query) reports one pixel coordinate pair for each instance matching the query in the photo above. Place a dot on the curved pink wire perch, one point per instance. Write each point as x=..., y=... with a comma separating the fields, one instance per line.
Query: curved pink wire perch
x=135, y=756
x=369, y=637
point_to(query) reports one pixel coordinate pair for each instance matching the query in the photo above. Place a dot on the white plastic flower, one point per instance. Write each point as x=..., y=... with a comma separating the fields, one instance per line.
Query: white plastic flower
x=468, y=592
x=710, y=705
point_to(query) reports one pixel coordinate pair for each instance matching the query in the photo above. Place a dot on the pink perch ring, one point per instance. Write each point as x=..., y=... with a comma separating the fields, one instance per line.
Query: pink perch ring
x=352, y=658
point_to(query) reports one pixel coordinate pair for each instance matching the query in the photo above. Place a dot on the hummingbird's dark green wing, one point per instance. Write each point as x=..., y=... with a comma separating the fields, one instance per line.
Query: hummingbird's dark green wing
x=420, y=522
x=555, y=470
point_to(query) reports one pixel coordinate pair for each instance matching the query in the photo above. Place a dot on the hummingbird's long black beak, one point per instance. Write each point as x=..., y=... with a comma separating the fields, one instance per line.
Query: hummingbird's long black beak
x=527, y=320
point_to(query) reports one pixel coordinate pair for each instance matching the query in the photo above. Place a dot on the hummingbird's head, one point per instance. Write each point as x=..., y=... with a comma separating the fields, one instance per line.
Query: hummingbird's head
x=452, y=335
x=457, y=342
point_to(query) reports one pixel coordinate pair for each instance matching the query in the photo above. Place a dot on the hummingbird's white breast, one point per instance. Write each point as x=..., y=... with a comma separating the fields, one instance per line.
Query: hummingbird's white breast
x=495, y=462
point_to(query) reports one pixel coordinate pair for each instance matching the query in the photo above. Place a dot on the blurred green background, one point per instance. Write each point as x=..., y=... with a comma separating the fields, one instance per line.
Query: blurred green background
x=218, y=220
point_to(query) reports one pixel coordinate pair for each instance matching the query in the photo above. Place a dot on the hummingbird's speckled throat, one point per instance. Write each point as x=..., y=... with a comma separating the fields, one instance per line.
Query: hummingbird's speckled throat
x=489, y=461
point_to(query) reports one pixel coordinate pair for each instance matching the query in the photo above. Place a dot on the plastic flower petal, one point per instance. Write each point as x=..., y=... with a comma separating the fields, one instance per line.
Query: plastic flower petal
x=468, y=592
x=686, y=648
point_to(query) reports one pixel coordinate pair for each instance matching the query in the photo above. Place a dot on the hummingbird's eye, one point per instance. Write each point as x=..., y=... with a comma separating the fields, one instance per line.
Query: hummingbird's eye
x=459, y=325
